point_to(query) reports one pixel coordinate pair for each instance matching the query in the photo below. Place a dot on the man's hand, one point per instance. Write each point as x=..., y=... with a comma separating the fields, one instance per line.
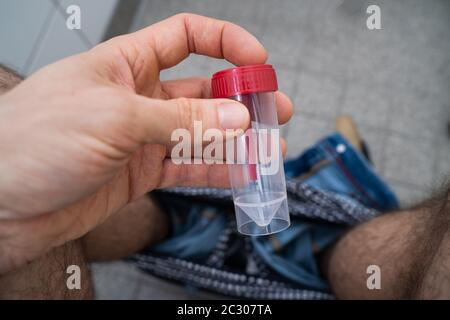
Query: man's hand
x=87, y=135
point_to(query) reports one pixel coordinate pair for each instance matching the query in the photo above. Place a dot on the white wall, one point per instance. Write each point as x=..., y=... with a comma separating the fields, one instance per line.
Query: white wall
x=33, y=33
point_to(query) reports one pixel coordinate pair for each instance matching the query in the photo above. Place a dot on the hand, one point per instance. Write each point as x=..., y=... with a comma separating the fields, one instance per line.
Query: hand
x=87, y=135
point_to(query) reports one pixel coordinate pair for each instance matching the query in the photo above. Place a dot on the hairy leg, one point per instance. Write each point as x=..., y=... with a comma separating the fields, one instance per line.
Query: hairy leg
x=411, y=247
x=46, y=277
x=435, y=282
x=131, y=229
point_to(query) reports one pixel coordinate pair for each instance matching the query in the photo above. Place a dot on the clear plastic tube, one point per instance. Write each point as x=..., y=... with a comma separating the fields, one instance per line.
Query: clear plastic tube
x=257, y=180
x=256, y=170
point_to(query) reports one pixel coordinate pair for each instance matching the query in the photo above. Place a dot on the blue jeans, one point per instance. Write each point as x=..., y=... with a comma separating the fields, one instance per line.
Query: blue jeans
x=333, y=164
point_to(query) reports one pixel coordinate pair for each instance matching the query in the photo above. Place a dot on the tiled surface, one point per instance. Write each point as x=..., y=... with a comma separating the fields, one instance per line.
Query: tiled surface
x=95, y=17
x=116, y=280
x=120, y=280
x=318, y=95
x=45, y=54
x=34, y=33
x=16, y=51
x=304, y=130
x=407, y=160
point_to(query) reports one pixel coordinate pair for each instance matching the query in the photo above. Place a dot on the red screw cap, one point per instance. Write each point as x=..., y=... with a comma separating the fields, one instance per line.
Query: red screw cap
x=244, y=80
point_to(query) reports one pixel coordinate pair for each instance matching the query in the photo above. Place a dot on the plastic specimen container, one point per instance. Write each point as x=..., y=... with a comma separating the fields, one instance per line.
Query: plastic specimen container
x=256, y=169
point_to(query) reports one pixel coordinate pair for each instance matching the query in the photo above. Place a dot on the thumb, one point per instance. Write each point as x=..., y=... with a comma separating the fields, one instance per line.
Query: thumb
x=158, y=119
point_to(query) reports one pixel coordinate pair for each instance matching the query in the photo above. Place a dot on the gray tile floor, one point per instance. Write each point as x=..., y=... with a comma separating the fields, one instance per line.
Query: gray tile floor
x=395, y=82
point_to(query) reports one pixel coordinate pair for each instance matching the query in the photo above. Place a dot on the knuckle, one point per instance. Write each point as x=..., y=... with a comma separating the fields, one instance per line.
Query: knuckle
x=183, y=16
x=188, y=112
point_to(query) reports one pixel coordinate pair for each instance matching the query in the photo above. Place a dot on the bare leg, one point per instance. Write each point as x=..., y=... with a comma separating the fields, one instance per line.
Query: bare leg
x=131, y=229
x=138, y=225
x=46, y=277
x=411, y=248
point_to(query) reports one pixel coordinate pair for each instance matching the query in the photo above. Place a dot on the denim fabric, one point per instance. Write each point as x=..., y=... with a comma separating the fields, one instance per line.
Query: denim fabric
x=196, y=237
x=330, y=187
x=344, y=171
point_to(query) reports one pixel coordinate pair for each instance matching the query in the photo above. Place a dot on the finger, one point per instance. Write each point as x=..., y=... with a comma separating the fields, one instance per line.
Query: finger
x=166, y=121
x=199, y=175
x=194, y=175
x=200, y=87
x=284, y=106
x=223, y=149
x=173, y=39
x=283, y=147
x=196, y=87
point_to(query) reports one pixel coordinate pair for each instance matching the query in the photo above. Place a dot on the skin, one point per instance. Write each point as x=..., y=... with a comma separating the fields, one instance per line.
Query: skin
x=410, y=247
x=86, y=136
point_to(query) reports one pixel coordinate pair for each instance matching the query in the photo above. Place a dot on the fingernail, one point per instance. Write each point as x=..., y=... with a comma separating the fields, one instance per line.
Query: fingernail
x=233, y=116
